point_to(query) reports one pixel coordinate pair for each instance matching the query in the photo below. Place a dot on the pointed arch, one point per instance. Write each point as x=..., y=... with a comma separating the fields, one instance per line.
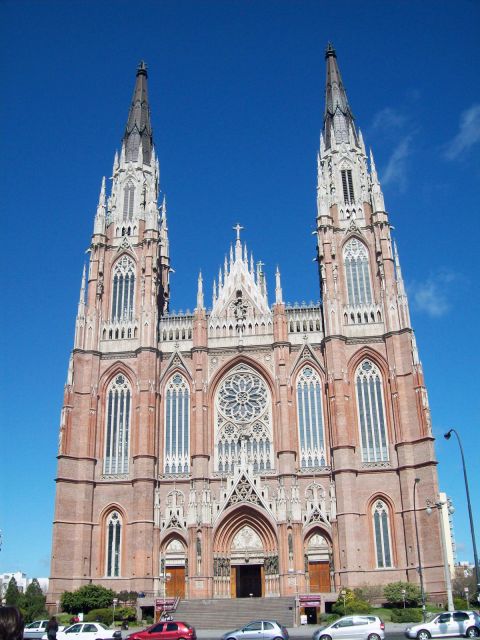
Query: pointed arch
x=243, y=411
x=380, y=513
x=357, y=272
x=118, y=410
x=113, y=544
x=371, y=412
x=310, y=417
x=123, y=289
x=177, y=424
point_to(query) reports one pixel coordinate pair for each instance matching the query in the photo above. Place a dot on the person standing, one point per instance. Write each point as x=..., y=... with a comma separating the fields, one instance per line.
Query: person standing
x=52, y=628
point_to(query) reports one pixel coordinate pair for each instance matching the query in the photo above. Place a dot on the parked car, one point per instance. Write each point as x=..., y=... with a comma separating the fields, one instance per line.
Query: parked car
x=353, y=628
x=166, y=630
x=35, y=630
x=452, y=623
x=87, y=631
x=258, y=629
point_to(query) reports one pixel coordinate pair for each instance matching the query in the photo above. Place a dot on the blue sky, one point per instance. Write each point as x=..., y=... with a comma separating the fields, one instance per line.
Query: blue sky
x=236, y=92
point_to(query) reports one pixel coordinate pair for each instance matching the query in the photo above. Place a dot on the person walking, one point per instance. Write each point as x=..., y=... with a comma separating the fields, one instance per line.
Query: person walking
x=52, y=628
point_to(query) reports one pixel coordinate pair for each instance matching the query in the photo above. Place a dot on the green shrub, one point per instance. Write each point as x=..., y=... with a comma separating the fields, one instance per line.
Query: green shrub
x=460, y=603
x=393, y=593
x=328, y=618
x=100, y=615
x=351, y=606
x=406, y=615
x=125, y=613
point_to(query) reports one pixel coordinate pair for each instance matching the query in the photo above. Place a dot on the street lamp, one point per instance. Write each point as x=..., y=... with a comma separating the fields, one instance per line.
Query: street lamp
x=447, y=436
x=448, y=581
x=467, y=596
x=115, y=602
x=404, y=593
x=343, y=593
x=420, y=570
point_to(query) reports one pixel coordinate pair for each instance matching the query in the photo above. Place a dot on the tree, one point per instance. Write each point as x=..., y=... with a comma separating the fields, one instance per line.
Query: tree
x=393, y=593
x=88, y=597
x=34, y=602
x=13, y=597
x=352, y=603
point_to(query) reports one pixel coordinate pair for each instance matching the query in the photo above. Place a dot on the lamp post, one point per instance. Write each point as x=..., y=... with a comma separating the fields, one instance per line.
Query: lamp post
x=448, y=581
x=447, y=436
x=467, y=596
x=343, y=593
x=420, y=570
x=115, y=602
x=404, y=593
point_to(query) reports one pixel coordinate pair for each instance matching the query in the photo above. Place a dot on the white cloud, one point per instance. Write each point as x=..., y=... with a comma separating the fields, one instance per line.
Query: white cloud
x=468, y=134
x=396, y=170
x=387, y=119
x=431, y=296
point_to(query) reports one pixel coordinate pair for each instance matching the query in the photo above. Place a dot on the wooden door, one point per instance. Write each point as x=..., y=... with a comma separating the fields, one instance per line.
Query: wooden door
x=319, y=577
x=233, y=581
x=176, y=583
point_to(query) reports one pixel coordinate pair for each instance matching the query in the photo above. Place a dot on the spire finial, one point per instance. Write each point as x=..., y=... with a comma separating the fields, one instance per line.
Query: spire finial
x=330, y=51
x=137, y=139
x=142, y=69
x=200, y=302
x=278, y=288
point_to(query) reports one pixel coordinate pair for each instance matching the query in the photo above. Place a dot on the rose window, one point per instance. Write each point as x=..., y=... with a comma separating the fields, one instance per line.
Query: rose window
x=243, y=397
x=243, y=422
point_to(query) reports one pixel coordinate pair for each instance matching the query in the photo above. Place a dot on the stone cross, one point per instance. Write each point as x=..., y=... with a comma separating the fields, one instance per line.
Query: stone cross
x=238, y=228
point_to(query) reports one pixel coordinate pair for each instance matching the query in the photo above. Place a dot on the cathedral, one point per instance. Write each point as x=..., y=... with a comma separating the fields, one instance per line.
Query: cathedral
x=252, y=447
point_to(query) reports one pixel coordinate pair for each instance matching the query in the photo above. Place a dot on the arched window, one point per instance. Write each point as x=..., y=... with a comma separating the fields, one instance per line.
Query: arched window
x=123, y=290
x=357, y=273
x=177, y=425
x=371, y=412
x=117, y=428
x=381, y=528
x=310, y=419
x=114, y=544
x=128, y=197
x=243, y=422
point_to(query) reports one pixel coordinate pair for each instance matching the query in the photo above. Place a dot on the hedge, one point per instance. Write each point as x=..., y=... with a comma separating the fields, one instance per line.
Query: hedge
x=406, y=615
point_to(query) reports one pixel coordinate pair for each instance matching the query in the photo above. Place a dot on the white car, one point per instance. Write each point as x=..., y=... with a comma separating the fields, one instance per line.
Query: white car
x=453, y=623
x=358, y=627
x=87, y=631
x=35, y=630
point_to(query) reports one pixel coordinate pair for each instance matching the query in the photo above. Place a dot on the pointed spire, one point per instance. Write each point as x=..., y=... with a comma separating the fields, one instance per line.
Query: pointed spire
x=200, y=302
x=214, y=296
x=164, y=212
x=398, y=271
x=378, y=203
x=81, y=300
x=137, y=139
x=278, y=288
x=338, y=116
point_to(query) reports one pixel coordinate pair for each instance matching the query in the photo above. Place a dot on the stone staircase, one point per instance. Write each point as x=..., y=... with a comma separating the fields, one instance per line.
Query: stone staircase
x=231, y=613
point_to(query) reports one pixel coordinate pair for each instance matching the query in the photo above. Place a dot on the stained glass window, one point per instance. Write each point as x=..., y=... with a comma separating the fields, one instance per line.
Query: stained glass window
x=381, y=528
x=123, y=290
x=310, y=419
x=371, y=412
x=357, y=273
x=177, y=425
x=114, y=540
x=117, y=429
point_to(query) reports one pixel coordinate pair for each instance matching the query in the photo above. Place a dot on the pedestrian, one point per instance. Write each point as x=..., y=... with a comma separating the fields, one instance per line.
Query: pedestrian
x=52, y=628
x=11, y=624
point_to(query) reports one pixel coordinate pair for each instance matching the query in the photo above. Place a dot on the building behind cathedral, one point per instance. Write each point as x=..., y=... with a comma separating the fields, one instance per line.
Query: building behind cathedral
x=252, y=448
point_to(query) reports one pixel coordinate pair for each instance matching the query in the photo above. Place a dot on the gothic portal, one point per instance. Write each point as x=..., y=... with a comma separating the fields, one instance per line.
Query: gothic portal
x=253, y=449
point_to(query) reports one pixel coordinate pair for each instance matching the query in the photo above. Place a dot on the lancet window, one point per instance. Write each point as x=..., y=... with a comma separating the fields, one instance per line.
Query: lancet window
x=357, y=273
x=123, y=290
x=177, y=425
x=114, y=544
x=371, y=412
x=243, y=422
x=117, y=428
x=347, y=186
x=310, y=419
x=381, y=527
x=128, y=199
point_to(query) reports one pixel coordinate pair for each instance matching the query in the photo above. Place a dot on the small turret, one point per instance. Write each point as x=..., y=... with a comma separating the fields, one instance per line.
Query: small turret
x=200, y=302
x=278, y=288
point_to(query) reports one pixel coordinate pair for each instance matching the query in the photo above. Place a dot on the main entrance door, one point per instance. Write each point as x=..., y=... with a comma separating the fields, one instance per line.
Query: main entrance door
x=248, y=580
x=176, y=582
x=319, y=577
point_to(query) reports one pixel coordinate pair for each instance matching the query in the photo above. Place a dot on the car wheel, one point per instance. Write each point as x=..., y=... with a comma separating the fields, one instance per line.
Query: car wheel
x=423, y=634
x=472, y=632
x=325, y=637
x=373, y=636
x=278, y=638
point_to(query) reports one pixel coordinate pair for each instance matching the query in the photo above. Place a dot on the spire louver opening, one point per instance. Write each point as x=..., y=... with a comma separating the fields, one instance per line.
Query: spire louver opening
x=138, y=132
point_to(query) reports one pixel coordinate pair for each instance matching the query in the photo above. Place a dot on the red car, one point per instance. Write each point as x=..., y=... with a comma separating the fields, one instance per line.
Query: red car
x=173, y=630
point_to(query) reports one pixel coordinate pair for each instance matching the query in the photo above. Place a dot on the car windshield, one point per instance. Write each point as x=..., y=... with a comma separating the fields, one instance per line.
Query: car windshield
x=32, y=625
x=104, y=626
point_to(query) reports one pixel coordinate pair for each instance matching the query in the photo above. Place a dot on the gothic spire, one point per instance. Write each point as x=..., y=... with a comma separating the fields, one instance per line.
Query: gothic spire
x=138, y=132
x=338, y=118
